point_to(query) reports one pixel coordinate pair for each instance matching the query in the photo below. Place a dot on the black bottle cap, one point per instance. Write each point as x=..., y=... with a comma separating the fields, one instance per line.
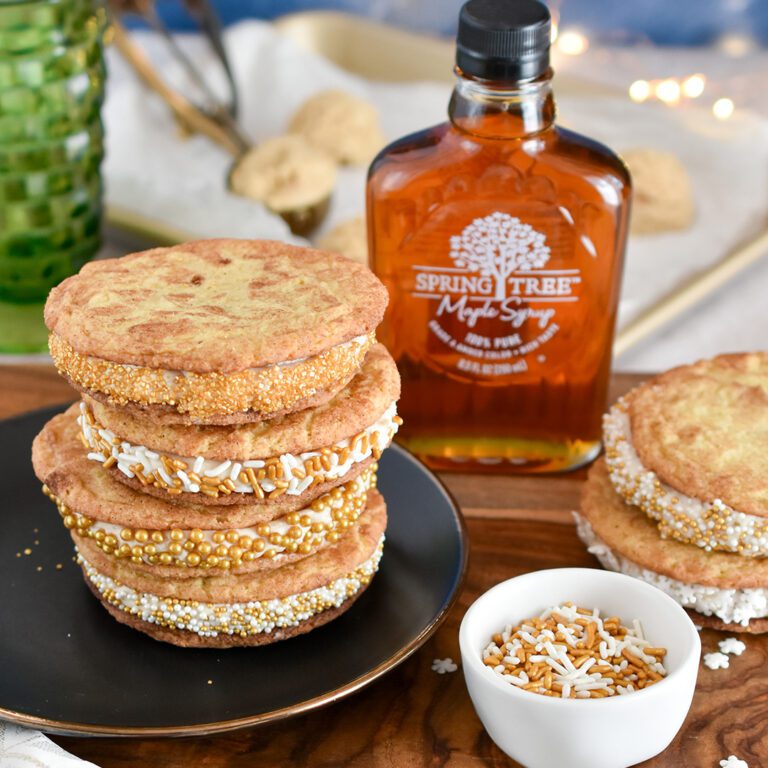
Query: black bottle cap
x=505, y=40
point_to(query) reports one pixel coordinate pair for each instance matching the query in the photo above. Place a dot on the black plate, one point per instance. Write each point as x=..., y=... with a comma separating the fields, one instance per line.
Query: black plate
x=68, y=667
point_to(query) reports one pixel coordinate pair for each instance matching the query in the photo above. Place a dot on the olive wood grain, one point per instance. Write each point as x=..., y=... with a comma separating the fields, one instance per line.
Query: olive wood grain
x=414, y=717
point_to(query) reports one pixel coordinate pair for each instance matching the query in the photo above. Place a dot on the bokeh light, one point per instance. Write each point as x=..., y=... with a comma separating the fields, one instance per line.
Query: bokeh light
x=722, y=109
x=668, y=91
x=736, y=45
x=572, y=42
x=694, y=85
x=640, y=90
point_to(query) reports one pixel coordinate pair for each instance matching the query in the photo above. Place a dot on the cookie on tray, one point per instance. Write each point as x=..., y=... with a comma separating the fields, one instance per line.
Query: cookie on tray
x=301, y=454
x=215, y=331
x=342, y=124
x=662, y=199
x=719, y=589
x=689, y=448
x=222, y=611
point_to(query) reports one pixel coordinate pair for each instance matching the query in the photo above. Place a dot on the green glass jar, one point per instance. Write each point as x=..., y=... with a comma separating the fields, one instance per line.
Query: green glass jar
x=51, y=146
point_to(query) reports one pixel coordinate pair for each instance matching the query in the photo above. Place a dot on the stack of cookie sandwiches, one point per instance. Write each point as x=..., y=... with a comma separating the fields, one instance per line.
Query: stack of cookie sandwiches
x=680, y=498
x=218, y=476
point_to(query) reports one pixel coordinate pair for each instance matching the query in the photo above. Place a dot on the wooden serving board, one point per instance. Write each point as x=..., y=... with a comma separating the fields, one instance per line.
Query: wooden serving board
x=414, y=717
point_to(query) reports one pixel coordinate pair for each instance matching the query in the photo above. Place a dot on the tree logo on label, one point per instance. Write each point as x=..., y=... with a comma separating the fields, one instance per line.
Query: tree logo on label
x=497, y=246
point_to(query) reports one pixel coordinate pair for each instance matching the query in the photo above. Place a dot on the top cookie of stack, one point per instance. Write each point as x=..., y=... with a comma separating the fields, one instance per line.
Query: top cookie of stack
x=216, y=331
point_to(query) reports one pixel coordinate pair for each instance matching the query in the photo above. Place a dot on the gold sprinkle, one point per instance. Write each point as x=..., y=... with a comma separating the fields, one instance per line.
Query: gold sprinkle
x=206, y=395
x=229, y=548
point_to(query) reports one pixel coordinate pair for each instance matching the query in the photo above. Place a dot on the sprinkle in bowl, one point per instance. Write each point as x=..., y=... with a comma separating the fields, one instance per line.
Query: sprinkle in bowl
x=611, y=732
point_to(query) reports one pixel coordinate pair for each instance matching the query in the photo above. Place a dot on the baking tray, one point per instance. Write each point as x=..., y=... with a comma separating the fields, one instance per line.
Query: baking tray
x=380, y=52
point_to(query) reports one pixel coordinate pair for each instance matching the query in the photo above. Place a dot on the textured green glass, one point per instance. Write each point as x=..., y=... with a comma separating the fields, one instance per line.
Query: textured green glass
x=51, y=147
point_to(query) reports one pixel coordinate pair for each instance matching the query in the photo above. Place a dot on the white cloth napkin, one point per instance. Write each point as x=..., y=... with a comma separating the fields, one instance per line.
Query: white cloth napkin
x=23, y=747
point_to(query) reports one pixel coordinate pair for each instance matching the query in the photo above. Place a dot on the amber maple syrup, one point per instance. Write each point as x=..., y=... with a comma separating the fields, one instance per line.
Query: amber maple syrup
x=500, y=238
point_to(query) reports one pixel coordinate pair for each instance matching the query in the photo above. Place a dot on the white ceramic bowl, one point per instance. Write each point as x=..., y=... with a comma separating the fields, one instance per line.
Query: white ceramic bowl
x=613, y=732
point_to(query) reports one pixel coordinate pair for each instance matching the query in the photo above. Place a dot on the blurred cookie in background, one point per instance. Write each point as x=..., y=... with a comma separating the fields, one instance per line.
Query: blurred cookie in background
x=291, y=177
x=345, y=126
x=349, y=238
x=663, y=197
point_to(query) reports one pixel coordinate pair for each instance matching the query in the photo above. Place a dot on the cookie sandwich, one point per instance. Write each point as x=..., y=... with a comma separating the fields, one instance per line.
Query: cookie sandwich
x=197, y=523
x=679, y=499
x=300, y=455
x=159, y=536
x=244, y=575
x=215, y=331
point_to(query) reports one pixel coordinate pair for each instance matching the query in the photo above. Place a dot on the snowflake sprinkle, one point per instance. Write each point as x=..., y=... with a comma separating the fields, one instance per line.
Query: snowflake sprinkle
x=733, y=762
x=732, y=645
x=441, y=666
x=716, y=661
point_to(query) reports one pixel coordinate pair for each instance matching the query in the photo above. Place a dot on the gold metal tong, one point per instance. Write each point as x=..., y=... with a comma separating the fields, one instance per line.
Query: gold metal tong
x=214, y=117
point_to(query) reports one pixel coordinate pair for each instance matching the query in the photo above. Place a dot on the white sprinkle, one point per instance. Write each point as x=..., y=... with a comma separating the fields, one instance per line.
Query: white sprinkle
x=716, y=661
x=166, y=477
x=303, y=485
x=286, y=464
x=732, y=645
x=733, y=762
x=441, y=666
x=567, y=634
x=219, y=470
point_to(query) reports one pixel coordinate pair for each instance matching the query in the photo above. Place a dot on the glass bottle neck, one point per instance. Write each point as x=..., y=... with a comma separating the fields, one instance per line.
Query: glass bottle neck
x=502, y=110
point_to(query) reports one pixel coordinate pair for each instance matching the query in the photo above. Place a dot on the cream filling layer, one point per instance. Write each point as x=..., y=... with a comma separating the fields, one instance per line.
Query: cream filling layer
x=303, y=532
x=245, y=618
x=733, y=606
x=708, y=525
x=289, y=474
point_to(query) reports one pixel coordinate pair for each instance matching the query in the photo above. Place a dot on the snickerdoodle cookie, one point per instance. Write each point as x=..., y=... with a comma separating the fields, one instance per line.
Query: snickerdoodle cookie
x=215, y=331
x=221, y=611
x=690, y=448
x=293, y=455
x=729, y=591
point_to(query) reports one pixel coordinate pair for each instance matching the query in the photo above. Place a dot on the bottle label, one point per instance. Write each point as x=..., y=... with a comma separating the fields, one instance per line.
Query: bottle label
x=498, y=304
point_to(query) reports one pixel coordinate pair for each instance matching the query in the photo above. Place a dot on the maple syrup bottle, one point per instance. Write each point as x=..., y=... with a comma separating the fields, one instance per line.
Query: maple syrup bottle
x=501, y=239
